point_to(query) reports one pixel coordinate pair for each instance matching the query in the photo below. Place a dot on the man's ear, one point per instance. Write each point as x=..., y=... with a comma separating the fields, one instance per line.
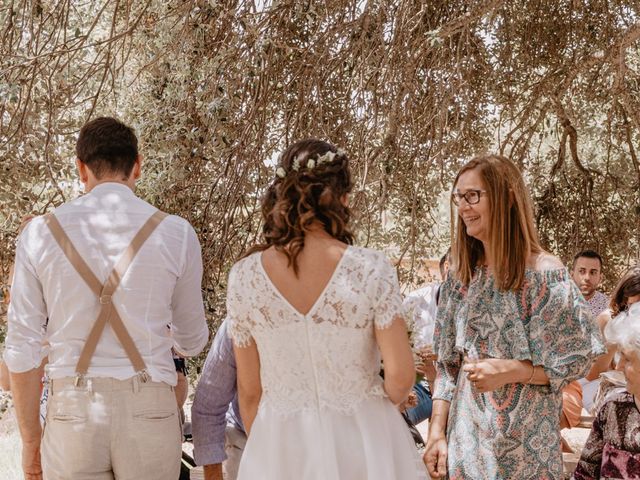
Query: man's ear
x=83, y=171
x=137, y=168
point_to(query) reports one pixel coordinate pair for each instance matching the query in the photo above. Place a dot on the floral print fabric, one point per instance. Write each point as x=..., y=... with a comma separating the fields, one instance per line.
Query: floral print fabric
x=512, y=432
x=613, y=448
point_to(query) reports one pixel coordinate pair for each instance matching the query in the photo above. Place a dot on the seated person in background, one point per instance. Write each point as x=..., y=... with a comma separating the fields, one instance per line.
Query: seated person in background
x=422, y=304
x=626, y=293
x=613, y=447
x=586, y=272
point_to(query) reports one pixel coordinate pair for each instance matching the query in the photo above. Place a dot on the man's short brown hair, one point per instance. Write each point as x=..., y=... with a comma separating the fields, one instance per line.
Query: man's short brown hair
x=587, y=254
x=108, y=147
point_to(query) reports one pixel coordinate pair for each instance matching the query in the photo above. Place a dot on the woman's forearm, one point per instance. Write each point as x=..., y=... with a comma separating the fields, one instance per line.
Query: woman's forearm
x=533, y=374
x=248, y=381
x=398, y=389
x=248, y=409
x=601, y=363
x=439, y=418
x=523, y=371
x=25, y=388
x=396, y=396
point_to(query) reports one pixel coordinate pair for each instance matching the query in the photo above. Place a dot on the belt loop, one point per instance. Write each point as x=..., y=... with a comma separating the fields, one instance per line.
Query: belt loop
x=136, y=384
x=89, y=385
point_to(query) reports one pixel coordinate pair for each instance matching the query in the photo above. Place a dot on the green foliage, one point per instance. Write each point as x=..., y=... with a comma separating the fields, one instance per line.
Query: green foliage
x=215, y=89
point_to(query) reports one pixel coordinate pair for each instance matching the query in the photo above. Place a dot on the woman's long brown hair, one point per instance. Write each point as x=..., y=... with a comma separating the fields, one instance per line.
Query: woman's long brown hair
x=305, y=196
x=628, y=286
x=512, y=236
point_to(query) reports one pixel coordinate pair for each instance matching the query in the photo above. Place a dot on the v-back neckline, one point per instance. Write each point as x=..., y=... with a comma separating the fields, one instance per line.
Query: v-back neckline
x=317, y=300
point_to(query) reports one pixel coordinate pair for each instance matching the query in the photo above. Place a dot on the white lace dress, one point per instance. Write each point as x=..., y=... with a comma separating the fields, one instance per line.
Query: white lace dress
x=323, y=413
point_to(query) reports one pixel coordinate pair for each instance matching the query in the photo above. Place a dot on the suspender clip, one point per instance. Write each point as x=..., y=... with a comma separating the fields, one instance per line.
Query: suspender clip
x=78, y=380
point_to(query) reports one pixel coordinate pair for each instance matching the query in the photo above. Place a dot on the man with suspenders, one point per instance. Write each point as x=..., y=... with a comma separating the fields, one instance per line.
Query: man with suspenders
x=110, y=272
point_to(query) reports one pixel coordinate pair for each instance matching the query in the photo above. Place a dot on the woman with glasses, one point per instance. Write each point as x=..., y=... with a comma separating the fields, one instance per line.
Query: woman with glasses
x=512, y=329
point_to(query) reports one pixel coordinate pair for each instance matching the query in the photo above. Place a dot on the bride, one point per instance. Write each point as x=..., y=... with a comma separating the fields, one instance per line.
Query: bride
x=310, y=317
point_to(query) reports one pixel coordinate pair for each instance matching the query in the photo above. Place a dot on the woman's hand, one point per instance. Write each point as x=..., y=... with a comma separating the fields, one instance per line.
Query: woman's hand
x=435, y=456
x=489, y=374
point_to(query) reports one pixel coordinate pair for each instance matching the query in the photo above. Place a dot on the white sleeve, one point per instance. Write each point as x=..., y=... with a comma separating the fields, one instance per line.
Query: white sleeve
x=239, y=323
x=388, y=301
x=27, y=312
x=190, y=331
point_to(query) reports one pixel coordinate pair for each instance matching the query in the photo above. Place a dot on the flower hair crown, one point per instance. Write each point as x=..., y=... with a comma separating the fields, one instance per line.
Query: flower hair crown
x=326, y=157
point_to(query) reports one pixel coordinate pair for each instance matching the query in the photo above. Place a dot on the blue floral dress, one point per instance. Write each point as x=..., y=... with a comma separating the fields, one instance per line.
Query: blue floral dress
x=512, y=432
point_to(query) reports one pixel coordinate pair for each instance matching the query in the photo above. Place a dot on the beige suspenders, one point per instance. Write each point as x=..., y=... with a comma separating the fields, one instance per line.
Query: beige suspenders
x=108, y=311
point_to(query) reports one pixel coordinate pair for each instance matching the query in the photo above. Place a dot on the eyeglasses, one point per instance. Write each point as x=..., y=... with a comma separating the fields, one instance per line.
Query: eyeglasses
x=470, y=196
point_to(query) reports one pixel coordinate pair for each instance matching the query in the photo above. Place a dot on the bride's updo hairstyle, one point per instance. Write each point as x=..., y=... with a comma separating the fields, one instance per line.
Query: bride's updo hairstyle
x=311, y=184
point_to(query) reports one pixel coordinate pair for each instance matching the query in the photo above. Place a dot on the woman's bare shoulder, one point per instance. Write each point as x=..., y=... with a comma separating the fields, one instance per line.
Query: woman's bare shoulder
x=544, y=261
x=603, y=318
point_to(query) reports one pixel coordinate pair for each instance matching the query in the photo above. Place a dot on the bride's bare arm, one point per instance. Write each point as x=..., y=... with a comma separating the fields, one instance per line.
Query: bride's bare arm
x=399, y=369
x=249, y=385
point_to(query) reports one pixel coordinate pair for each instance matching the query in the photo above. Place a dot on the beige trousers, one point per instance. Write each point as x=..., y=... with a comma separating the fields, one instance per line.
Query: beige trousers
x=111, y=429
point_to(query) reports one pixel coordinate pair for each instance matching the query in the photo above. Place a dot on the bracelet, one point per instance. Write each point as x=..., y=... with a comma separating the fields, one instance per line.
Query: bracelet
x=533, y=372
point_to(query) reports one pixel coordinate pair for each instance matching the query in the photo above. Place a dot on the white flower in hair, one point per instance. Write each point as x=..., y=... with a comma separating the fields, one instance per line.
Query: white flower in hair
x=311, y=163
x=341, y=152
x=296, y=163
x=326, y=158
x=280, y=172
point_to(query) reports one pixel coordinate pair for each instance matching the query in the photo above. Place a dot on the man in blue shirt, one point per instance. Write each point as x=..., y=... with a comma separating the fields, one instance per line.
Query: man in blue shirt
x=218, y=433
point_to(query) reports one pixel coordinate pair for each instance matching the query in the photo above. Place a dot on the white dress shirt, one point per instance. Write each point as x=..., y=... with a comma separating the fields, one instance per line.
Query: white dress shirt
x=421, y=307
x=161, y=289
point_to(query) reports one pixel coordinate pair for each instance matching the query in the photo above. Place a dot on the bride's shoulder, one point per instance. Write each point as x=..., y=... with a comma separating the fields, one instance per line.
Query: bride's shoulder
x=368, y=254
x=246, y=263
x=372, y=259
